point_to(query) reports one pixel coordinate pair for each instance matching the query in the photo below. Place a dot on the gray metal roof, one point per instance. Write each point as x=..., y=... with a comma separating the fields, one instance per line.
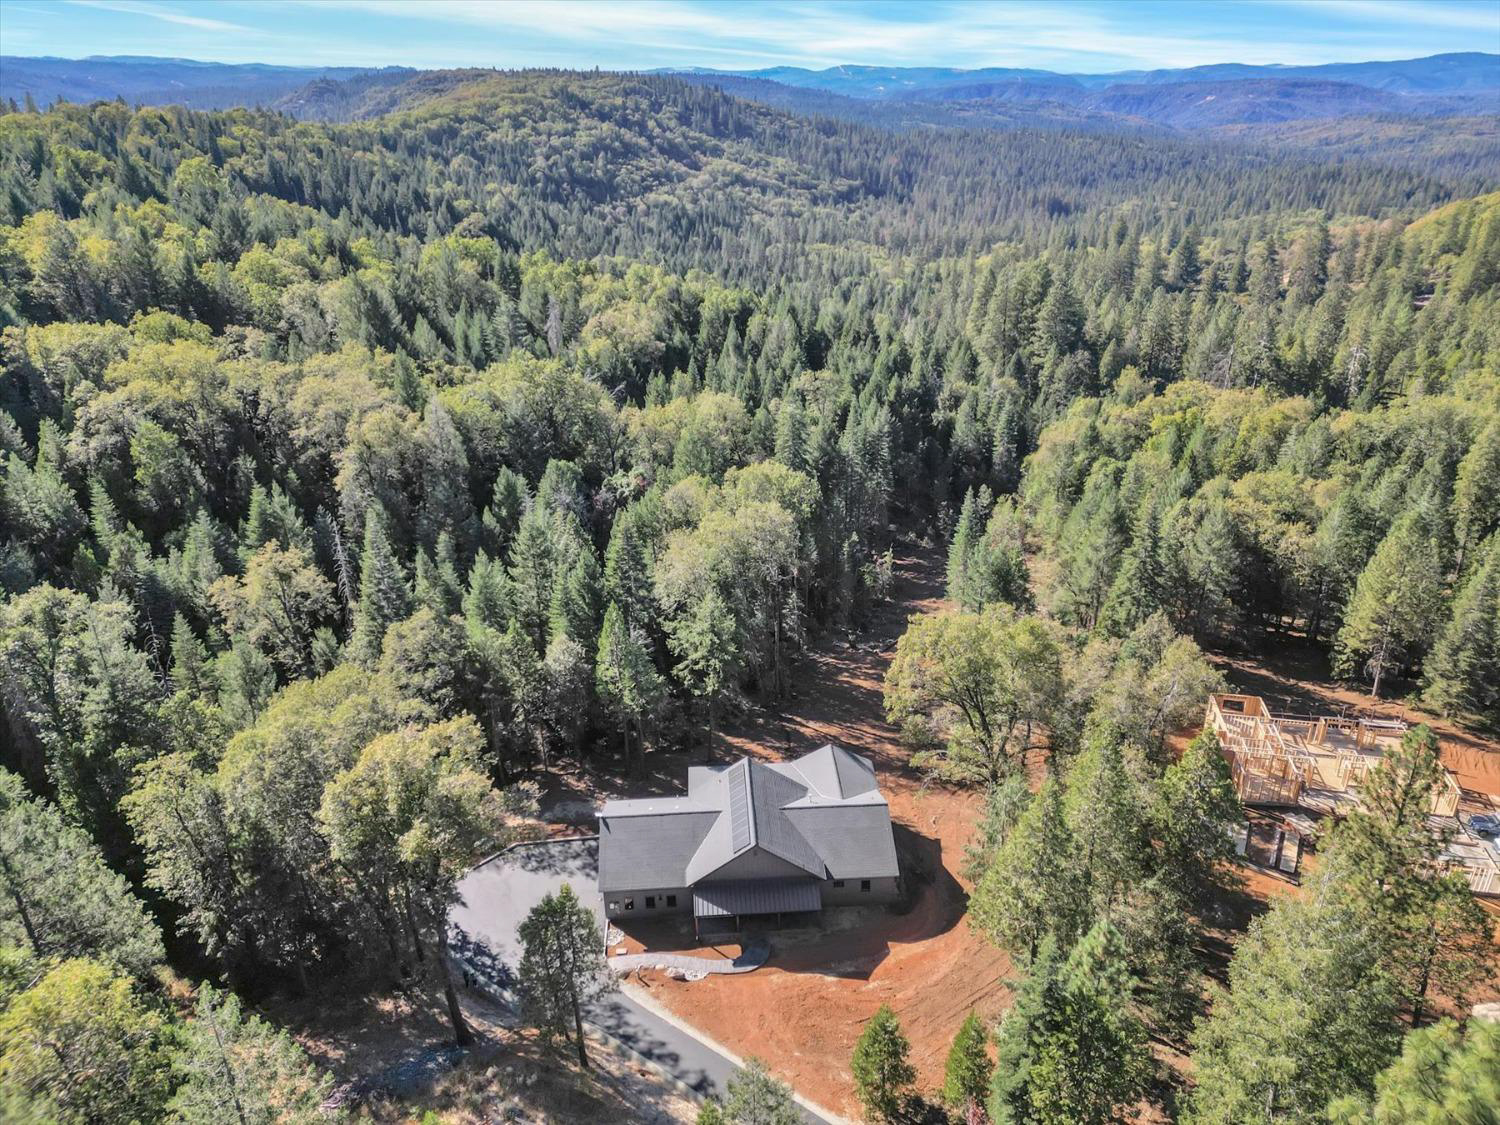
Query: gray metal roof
x=756, y=896
x=647, y=852
x=854, y=840
x=821, y=814
x=832, y=773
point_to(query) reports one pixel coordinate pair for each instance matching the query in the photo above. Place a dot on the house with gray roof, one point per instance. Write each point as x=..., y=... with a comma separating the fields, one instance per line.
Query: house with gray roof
x=751, y=838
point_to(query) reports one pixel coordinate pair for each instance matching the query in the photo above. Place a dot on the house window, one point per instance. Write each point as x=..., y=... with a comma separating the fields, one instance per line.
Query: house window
x=630, y=904
x=864, y=884
x=838, y=882
x=671, y=901
x=650, y=902
x=614, y=906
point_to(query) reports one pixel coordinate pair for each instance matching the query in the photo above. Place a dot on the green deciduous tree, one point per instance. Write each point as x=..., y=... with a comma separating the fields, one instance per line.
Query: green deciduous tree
x=980, y=688
x=409, y=816
x=82, y=1048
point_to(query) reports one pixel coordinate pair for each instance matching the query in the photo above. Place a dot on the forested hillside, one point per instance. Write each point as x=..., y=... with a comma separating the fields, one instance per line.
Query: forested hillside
x=355, y=473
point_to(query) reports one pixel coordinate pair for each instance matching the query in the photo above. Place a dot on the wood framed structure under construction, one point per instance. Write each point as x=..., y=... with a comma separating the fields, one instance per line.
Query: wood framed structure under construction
x=1316, y=762
x=1319, y=762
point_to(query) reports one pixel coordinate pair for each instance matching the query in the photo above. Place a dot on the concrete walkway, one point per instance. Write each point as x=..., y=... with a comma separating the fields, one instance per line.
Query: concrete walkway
x=495, y=898
x=751, y=958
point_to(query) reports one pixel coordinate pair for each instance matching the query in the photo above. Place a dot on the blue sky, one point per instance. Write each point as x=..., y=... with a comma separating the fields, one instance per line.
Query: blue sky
x=1066, y=35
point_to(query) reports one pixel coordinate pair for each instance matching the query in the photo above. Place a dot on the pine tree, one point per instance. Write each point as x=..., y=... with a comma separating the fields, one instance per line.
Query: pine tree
x=384, y=597
x=1037, y=1011
x=1476, y=500
x=1309, y=1015
x=576, y=595
x=1029, y=891
x=883, y=1074
x=628, y=684
x=486, y=603
x=753, y=1096
x=1195, y=808
x=247, y=680
x=1448, y=1074
x=189, y=659
x=996, y=570
x=1395, y=603
x=1138, y=589
x=58, y=898
x=966, y=1078
x=562, y=969
x=532, y=571
x=965, y=535
x=1093, y=1063
x=233, y=1067
x=508, y=501
x=706, y=643
x=1463, y=673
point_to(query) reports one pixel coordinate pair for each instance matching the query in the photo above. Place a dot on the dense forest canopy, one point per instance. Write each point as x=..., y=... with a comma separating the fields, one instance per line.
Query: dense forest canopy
x=551, y=414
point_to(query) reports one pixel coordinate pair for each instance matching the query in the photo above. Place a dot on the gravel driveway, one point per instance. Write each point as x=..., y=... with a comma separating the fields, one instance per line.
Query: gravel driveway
x=495, y=898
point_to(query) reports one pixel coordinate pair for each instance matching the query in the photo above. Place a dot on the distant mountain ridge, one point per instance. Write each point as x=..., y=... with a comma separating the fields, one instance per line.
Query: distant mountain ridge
x=1384, y=112
x=149, y=80
x=1457, y=72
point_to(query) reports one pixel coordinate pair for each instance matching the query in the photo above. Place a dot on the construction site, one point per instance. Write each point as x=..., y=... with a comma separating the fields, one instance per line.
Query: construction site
x=1316, y=764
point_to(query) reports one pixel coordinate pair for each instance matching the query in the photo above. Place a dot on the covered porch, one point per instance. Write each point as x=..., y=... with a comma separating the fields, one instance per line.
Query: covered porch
x=716, y=905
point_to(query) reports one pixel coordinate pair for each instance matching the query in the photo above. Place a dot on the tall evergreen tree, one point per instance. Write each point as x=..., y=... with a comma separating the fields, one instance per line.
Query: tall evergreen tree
x=1463, y=672
x=384, y=597
x=562, y=969
x=1395, y=605
x=882, y=1071
x=966, y=1077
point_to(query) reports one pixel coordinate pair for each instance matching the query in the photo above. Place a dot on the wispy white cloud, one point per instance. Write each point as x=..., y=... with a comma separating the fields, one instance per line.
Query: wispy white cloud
x=1045, y=34
x=1066, y=35
x=166, y=15
x=1462, y=17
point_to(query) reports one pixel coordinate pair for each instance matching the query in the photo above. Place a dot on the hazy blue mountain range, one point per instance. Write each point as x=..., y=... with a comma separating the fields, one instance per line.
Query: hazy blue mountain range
x=156, y=81
x=1467, y=72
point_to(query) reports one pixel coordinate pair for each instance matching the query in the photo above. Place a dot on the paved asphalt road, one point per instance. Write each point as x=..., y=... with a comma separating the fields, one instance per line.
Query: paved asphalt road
x=494, y=899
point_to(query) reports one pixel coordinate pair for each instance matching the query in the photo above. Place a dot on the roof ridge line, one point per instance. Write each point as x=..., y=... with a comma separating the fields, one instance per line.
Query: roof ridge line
x=750, y=803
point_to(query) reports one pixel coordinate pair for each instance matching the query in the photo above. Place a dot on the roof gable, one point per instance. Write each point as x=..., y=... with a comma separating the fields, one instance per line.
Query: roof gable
x=831, y=773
